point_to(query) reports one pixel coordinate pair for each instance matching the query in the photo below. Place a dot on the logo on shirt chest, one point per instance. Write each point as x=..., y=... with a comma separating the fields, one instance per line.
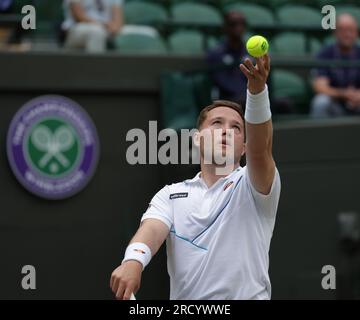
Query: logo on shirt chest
x=229, y=184
x=179, y=195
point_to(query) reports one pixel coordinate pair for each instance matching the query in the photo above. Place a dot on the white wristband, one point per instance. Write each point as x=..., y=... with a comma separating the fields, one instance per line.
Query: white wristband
x=258, y=107
x=138, y=251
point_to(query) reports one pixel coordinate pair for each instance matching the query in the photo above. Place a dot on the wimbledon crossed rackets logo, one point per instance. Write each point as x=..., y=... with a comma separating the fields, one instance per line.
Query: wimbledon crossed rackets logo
x=53, y=147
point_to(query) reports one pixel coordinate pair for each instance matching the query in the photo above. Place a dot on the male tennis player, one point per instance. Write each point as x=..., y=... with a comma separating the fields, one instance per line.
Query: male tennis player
x=218, y=228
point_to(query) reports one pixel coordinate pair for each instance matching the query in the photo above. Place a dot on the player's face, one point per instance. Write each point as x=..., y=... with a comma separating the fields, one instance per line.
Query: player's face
x=224, y=127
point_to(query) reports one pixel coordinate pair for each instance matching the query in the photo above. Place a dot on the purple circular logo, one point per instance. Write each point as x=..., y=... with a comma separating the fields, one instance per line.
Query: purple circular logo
x=53, y=147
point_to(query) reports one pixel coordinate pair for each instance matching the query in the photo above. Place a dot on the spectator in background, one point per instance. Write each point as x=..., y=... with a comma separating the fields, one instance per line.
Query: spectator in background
x=89, y=24
x=338, y=89
x=231, y=82
x=6, y=5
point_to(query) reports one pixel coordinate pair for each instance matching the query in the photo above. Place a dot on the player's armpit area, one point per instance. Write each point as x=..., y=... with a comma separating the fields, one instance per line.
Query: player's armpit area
x=158, y=217
x=261, y=175
x=160, y=207
x=267, y=203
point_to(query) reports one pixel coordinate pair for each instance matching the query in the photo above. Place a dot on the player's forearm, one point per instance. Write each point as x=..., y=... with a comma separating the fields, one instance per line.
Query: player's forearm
x=259, y=141
x=151, y=232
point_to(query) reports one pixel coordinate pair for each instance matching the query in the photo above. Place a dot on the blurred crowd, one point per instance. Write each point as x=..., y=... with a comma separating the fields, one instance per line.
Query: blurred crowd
x=94, y=26
x=337, y=90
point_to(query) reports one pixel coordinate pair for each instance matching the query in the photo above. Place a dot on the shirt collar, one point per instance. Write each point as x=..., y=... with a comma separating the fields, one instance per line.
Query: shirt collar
x=198, y=178
x=195, y=179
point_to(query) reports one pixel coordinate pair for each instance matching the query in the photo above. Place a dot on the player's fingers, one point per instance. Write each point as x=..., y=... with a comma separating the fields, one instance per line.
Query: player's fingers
x=267, y=62
x=248, y=63
x=246, y=72
x=111, y=280
x=128, y=291
x=115, y=285
x=261, y=66
x=120, y=291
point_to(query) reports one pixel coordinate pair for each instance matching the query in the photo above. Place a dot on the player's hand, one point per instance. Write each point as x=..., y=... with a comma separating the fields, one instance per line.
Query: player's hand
x=126, y=279
x=257, y=75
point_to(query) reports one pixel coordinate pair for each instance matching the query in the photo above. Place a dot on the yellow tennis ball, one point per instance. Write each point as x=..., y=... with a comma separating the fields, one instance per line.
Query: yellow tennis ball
x=257, y=46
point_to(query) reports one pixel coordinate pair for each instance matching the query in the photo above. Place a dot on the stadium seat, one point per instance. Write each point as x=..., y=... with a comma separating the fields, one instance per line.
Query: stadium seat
x=286, y=84
x=195, y=14
x=202, y=89
x=299, y=16
x=276, y=3
x=315, y=45
x=330, y=39
x=142, y=12
x=294, y=43
x=19, y=4
x=140, y=29
x=178, y=113
x=49, y=16
x=139, y=44
x=191, y=42
x=265, y=3
x=256, y=15
x=187, y=42
x=322, y=3
x=353, y=10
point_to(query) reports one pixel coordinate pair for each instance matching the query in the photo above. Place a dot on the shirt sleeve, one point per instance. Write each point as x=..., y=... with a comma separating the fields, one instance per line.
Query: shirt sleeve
x=266, y=204
x=160, y=208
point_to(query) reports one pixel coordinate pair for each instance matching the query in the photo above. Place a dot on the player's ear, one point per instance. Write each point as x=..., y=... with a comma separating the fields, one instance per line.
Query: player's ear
x=244, y=149
x=196, y=138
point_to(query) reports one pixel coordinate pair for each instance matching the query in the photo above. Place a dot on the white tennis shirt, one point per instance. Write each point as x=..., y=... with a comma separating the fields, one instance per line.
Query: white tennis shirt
x=218, y=245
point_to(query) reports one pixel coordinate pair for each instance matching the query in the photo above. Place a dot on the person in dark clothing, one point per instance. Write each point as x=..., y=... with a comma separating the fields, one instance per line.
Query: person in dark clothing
x=224, y=61
x=338, y=89
x=230, y=82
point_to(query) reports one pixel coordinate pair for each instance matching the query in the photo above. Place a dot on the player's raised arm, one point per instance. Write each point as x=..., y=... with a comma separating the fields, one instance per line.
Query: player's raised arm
x=126, y=279
x=259, y=131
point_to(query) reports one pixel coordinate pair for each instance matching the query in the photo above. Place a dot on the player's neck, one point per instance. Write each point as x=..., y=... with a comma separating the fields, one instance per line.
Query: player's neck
x=211, y=173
